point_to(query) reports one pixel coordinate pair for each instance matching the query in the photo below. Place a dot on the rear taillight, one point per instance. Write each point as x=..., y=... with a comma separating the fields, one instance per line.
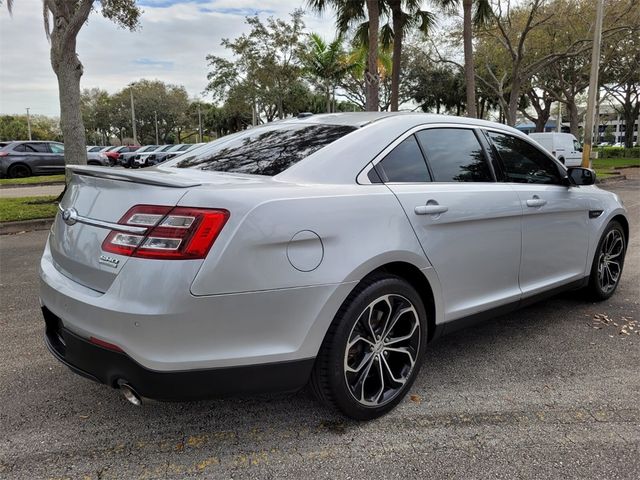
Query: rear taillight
x=179, y=233
x=4, y=154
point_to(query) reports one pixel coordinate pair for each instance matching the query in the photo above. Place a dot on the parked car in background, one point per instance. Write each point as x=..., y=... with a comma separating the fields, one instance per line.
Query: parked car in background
x=98, y=158
x=142, y=159
x=173, y=154
x=160, y=157
x=115, y=152
x=26, y=158
x=126, y=158
x=564, y=146
x=328, y=250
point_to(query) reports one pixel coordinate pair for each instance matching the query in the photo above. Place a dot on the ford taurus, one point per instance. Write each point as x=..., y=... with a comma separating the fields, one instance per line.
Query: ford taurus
x=328, y=250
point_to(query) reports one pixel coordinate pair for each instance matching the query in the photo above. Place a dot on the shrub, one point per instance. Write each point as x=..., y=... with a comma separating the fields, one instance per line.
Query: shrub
x=618, y=152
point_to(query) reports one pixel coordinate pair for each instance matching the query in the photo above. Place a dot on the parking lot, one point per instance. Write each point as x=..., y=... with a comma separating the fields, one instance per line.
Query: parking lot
x=551, y=391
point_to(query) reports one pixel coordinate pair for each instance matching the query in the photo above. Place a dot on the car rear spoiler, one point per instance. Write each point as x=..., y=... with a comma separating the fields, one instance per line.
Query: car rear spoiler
x=149, y=177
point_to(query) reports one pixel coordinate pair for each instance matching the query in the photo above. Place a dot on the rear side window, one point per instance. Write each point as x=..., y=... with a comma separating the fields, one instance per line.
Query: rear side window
x=38, y=147
x=454, y=155
x=524, y=163
x=263, y=151
x=31, y=148
x=405, y=164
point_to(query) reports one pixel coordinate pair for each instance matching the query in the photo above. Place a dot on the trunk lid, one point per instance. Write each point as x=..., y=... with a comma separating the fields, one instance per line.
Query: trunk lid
x=104, y=195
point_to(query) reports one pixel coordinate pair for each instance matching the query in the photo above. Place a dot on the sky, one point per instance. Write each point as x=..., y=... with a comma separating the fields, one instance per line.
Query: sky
x=171, y=45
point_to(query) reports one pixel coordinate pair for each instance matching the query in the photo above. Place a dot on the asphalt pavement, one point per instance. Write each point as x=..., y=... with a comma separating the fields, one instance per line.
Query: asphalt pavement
x=552, y=391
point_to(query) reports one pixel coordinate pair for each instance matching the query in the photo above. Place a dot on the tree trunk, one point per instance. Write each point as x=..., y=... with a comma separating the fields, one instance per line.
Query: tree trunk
x=398, y=33
x=327, y=97
x=372, y=79
x=68, y=69
x=511, y=114
x=574, y=120
x=469, y=68
x=630, y=115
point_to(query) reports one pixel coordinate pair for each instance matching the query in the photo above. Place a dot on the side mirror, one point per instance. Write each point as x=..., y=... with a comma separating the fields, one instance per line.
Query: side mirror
x=582, y=176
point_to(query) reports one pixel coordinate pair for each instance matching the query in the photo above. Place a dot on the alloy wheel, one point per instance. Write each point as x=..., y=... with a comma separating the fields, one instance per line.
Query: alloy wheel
x=381, y=350
x=610, y=260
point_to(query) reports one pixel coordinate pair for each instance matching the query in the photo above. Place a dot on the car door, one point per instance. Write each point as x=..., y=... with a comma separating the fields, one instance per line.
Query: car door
x=467, y=223
x=574, y=159
x=36, y=155
x=555, y=233
x=57, y=156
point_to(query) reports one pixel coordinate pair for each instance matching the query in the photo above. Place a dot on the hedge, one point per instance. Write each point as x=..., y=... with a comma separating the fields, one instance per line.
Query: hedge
x=618, y=152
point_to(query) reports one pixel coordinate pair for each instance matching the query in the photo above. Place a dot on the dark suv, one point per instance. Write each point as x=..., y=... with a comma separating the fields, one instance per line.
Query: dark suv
x=23, y=159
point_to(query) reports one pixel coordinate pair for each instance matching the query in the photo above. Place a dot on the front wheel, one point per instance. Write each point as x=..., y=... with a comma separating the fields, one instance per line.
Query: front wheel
x=373, y=349
x=608, y=262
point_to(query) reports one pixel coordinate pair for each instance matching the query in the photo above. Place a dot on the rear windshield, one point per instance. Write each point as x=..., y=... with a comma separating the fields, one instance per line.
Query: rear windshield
x=267, y=150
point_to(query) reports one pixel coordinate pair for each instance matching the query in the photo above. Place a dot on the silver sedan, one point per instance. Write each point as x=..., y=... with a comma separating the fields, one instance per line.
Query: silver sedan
x=327, y=250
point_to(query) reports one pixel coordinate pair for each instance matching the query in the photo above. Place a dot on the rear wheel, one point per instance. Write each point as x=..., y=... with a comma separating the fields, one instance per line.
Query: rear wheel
x=19, y=170
x=608, y=262
x=373, y=349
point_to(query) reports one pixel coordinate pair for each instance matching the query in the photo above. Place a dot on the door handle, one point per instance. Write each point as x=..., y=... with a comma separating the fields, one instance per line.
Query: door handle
x=536, y=201
x=430, y=209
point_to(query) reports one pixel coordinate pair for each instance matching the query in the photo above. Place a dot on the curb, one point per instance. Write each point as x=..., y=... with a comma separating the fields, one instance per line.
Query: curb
x=27, y=185
x=615, y=179
x=7, y=228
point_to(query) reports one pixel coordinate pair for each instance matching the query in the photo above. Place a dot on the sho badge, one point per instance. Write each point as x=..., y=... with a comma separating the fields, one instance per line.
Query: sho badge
x=106, y=260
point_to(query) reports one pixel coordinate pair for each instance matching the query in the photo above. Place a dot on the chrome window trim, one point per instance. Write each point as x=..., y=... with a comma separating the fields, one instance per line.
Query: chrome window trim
x=362, y=177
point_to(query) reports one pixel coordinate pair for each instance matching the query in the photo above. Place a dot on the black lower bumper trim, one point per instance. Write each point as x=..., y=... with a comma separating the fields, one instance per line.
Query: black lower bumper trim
x=110, y=367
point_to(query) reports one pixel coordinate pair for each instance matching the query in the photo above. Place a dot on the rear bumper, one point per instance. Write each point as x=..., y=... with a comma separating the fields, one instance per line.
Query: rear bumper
x=112, y=368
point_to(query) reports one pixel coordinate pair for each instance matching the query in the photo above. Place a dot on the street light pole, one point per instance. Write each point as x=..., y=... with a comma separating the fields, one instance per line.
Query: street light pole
x=133, y=116
x=199, y=124
x=155, y=114
x=593, y=86
x=29, y=124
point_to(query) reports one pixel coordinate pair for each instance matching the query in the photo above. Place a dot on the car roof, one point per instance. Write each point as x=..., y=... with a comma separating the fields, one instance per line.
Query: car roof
x=361, y=119
x=343, y=159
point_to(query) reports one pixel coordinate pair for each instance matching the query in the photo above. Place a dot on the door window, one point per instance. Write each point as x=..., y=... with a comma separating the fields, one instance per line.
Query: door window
x=36, y=147
x=524, y=163
x=454, y=155
x=56, y=148
x=404, y=164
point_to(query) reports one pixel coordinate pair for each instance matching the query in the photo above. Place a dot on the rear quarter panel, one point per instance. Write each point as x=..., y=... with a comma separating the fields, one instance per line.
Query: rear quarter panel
x=360, y=227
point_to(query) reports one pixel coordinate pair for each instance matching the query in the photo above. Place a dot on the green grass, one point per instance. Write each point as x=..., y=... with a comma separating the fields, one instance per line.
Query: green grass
x=27, y=208
x=32, y=180
x=605, y=167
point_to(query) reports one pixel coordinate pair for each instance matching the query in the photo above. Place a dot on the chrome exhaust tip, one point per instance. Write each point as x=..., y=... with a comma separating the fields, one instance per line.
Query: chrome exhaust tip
x=130, y=394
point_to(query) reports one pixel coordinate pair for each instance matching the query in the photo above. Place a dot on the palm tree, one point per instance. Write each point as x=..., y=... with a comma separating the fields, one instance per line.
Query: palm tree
x=473, y=12
x=348, y=13
x=326, y=63
x=402, y=20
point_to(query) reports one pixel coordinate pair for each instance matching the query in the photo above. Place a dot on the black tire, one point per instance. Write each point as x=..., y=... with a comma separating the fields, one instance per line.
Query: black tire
x=19, y=170
x=329, y=379
x=93, y=162
x=603, y=282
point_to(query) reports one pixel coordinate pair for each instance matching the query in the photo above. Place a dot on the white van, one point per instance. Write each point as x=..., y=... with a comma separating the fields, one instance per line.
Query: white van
x=563, y=146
